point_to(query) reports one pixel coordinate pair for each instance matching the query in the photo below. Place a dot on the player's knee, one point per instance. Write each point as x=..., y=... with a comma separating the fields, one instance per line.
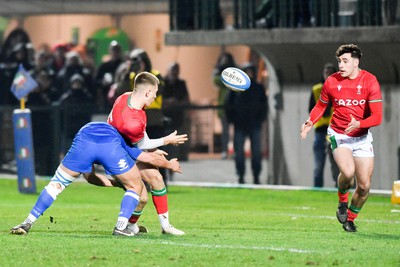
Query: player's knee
x=57, y=186
x=58, y=183
x=136, y=186
x=156, y=180
x=348, y=173
x=54, y=189
x=363, y=188
x=143, y=200
x=159, y=177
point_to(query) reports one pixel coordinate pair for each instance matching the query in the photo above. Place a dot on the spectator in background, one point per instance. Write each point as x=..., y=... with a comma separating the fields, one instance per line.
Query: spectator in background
x=139, y=61
x=58, y=58
x=77, y=103
x=41, y=64
x=321, y=145
x=16, y=36
x=224, y=60
x=40, y=101
x=175, y=99
x=105, y=76
x=247, y=111
x=74, y=65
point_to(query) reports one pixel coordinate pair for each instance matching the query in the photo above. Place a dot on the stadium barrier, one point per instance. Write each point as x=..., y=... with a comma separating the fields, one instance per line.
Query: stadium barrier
x=54, y=127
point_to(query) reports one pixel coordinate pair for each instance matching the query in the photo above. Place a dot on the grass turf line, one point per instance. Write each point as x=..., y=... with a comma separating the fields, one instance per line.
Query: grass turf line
x=235, y=227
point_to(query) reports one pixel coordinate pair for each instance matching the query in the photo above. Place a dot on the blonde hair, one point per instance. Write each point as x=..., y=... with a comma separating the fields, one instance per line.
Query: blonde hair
x=145, y=78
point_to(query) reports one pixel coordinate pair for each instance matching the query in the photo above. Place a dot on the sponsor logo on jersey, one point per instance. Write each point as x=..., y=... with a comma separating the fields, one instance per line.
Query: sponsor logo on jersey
x=339, y=87
x=122, y=164
x=350, y=102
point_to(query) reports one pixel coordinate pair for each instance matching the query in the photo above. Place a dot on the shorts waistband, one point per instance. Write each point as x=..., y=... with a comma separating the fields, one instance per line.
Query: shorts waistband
x=348, y=138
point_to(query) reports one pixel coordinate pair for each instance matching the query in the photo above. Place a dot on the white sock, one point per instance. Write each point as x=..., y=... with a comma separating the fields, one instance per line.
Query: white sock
x=164, y=219
x=122, y=223
x=31, y=219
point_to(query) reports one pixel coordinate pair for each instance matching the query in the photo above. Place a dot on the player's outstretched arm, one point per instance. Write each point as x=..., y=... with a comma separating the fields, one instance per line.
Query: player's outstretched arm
x=305, y=128
x=315, y=114
x=100, y=180
x=157, y=160
x=175, y=139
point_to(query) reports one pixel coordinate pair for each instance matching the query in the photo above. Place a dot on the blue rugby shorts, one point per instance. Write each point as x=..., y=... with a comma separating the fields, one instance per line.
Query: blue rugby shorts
x=100, y=143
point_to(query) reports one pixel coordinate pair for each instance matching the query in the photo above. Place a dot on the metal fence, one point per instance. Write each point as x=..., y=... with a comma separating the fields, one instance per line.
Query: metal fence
x=54, y=127
x=249, y=14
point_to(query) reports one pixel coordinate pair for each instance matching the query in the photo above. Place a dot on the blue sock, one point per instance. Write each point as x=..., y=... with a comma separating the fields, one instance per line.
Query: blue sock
x=128, y=204
x=43, y=203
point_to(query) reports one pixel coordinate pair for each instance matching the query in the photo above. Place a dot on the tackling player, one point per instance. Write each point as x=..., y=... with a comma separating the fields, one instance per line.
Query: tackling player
x=357, y=103
x=98, y=143
x=129, y=118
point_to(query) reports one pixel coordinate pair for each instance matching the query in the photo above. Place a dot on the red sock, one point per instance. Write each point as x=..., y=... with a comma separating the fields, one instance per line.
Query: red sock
x=351, y=216
x=134, y=218
x=161, y=203
x=343, y=197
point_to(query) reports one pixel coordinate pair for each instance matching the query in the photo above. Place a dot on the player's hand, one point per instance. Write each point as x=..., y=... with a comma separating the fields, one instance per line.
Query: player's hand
x=175, y=139
x=176, y=167
x=354, y=124
x=160, y=152
x=305, y=128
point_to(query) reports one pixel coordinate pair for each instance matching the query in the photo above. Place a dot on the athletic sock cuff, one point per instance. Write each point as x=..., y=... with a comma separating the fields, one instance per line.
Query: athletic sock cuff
x=133, y=194
x=161, y=192
x=343, y=191
x=354, y=209
x=137, y=213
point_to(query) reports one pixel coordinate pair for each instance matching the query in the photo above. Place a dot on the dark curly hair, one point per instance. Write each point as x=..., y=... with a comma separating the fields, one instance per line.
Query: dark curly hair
x=353, y=49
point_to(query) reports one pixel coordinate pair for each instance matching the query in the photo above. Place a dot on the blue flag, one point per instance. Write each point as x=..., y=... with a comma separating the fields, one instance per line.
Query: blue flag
x=23, y=83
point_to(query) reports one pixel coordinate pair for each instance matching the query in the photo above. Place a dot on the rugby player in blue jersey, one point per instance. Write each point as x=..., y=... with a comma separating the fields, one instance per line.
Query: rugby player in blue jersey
x=99, y=143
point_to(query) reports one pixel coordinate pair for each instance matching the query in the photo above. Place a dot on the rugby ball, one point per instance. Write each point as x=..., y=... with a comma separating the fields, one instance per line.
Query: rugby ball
x=235, y=79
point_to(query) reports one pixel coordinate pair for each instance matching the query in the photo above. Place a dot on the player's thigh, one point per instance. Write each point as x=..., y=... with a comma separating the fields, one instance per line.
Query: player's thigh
x=364, y=169
x=131, y=180
x=344, y=159
x=151, y=175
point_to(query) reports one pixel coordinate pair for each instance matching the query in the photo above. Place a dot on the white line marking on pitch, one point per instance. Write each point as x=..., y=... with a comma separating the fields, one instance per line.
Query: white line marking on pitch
x=294, y=250
x=334, y=218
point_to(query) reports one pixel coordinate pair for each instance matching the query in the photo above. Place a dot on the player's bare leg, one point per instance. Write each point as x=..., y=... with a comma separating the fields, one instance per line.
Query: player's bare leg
x=364, y=169
x=159, y=194
x=345, y=161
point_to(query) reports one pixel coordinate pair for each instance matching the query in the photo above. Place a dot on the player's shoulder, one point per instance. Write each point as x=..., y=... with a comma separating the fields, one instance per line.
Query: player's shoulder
x=335, y=77
x=123, y=97
x=367, y=74
x=332, y=80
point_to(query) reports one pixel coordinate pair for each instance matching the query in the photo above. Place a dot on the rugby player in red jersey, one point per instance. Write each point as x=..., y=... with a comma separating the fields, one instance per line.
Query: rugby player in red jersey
x=356, y=98
x=99, y=143
x=129, y=118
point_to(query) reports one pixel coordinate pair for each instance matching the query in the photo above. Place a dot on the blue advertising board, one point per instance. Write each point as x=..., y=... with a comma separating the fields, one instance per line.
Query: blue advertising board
x=24, y=153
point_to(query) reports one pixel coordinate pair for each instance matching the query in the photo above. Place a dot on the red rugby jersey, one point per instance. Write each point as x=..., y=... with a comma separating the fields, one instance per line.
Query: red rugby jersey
x=130, y=122
x=350, y=97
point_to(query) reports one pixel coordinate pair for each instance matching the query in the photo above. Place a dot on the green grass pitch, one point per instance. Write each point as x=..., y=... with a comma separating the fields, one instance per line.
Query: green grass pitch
x=224, y=227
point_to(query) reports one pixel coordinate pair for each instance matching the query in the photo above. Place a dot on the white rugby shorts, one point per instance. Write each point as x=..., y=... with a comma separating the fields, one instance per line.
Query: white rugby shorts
x=361, y=146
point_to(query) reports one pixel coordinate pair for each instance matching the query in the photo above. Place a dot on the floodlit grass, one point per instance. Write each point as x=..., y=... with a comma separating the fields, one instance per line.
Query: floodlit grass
x=225, y=227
